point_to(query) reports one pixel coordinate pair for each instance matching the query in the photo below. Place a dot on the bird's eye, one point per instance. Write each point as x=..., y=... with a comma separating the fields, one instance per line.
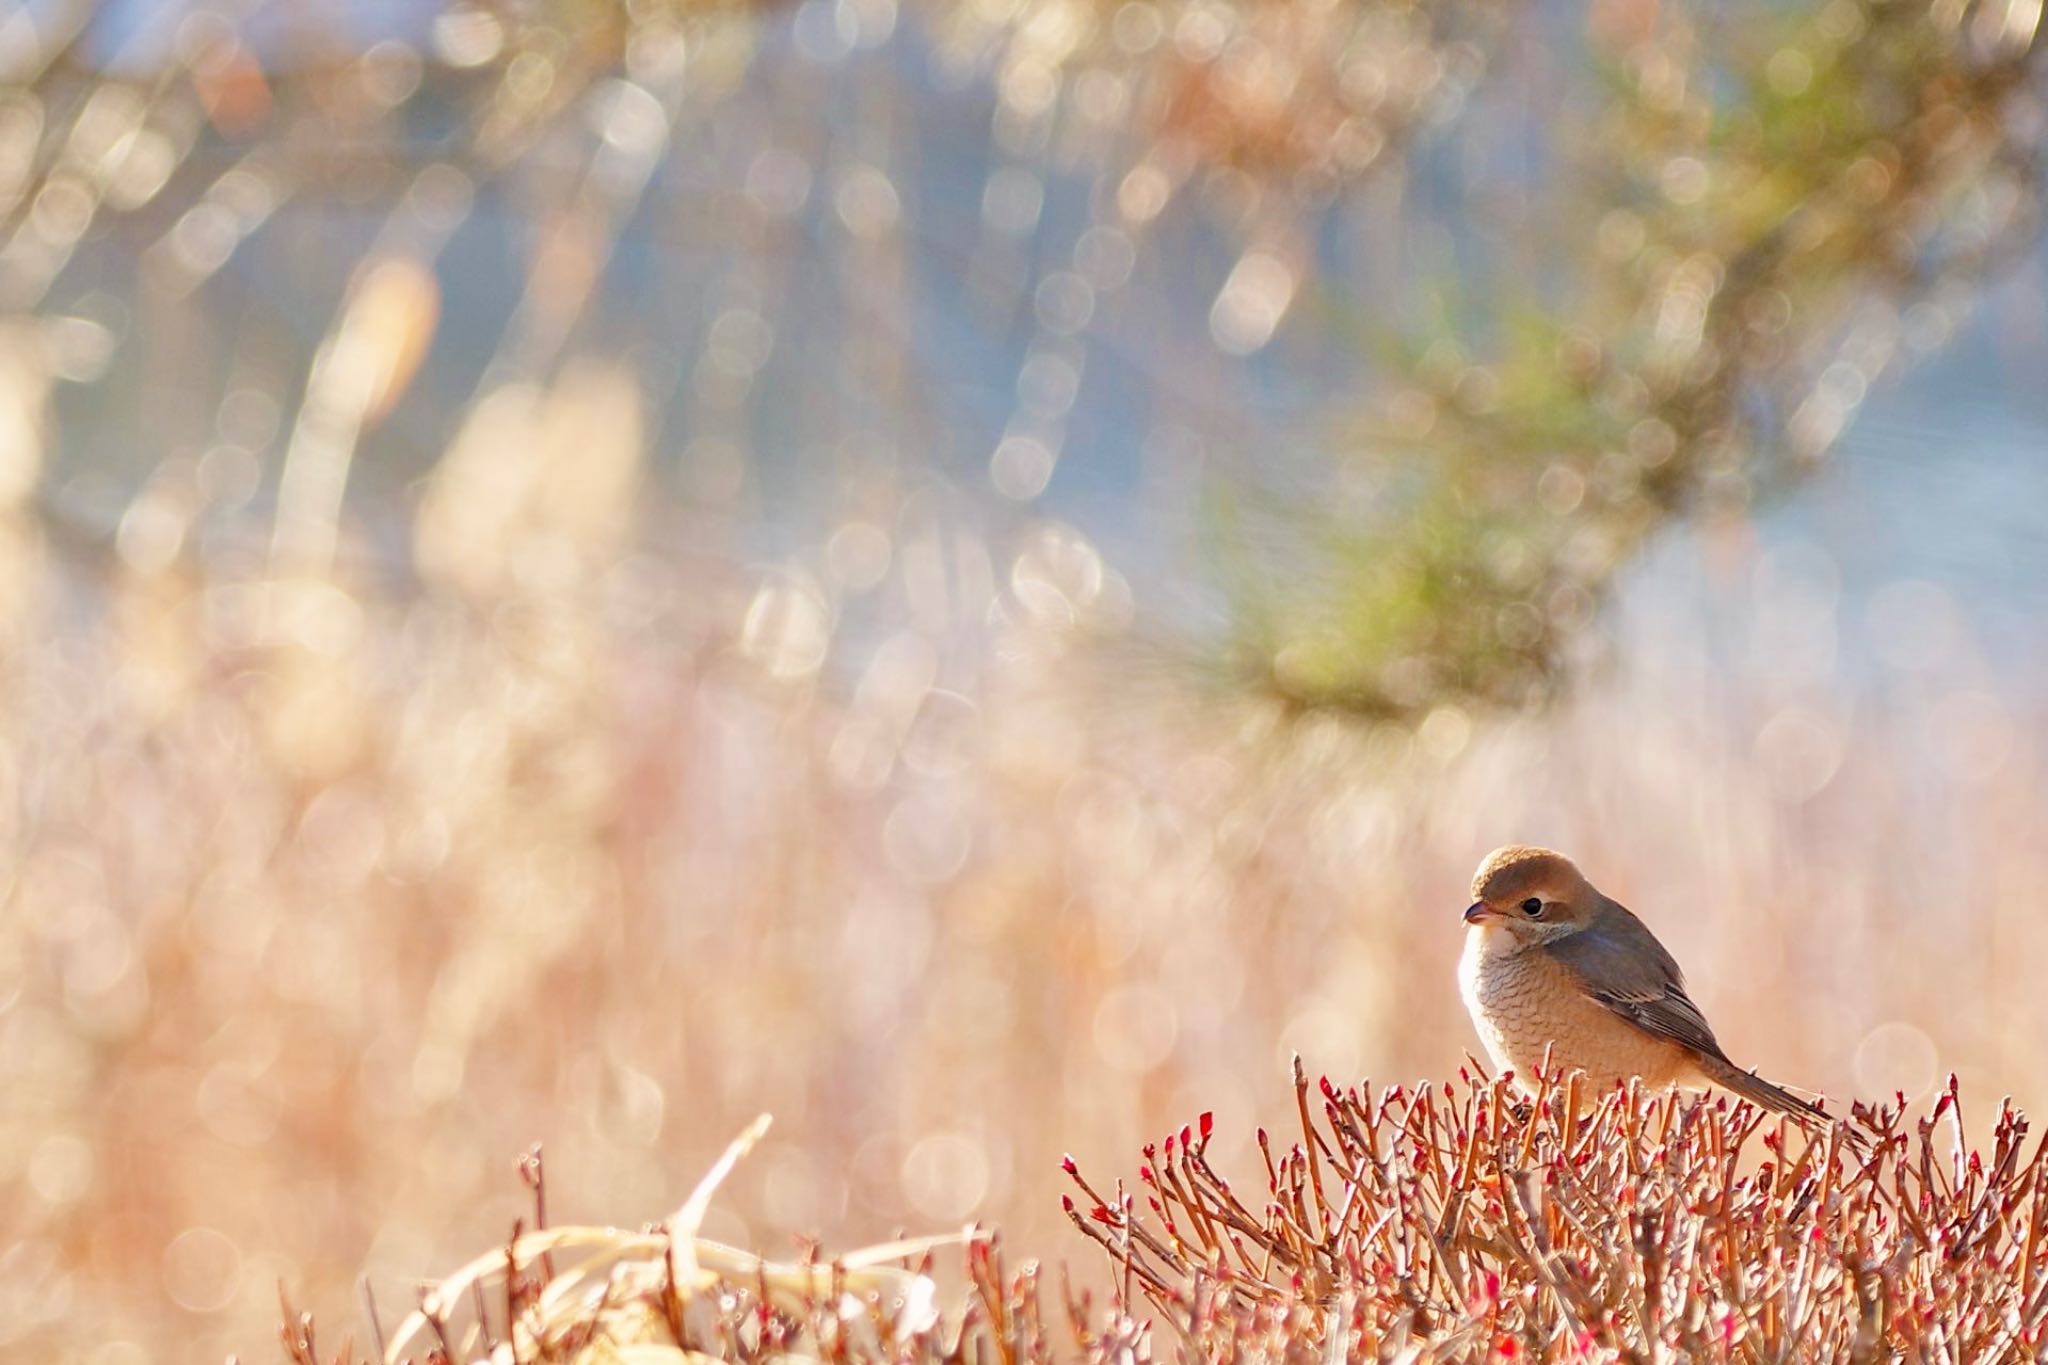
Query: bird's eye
x=1533, y=906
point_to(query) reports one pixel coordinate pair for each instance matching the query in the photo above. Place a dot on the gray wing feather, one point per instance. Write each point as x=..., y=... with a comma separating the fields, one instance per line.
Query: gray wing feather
x=1619, y=962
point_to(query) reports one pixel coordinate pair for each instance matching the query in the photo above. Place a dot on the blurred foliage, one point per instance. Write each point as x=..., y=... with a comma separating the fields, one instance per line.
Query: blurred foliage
x=1759, y=212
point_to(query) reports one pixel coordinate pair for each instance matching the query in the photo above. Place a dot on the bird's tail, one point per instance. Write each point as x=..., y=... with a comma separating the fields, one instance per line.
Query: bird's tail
x=1757, y=1090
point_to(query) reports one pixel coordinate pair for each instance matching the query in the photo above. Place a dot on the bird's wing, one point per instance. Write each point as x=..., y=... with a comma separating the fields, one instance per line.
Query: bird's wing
x=1618, y=962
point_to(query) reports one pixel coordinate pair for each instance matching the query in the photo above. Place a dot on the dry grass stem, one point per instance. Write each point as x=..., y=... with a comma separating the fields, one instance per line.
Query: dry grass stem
x=1467, y=1222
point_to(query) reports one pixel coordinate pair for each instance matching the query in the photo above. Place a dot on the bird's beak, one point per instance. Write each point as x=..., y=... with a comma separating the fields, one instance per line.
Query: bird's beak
x=1476, y=912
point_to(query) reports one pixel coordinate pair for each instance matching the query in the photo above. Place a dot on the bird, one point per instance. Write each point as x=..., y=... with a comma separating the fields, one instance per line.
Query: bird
x=1552, y=965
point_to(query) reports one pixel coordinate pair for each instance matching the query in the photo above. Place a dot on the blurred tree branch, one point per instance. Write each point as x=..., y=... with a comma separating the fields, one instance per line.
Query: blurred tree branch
x=1765, y=213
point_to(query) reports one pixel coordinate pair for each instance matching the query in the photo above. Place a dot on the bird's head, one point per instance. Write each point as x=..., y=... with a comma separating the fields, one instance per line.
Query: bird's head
x=1531, y=893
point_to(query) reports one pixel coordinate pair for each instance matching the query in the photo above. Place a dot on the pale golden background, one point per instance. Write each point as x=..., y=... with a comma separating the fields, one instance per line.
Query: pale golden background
x=969, y=575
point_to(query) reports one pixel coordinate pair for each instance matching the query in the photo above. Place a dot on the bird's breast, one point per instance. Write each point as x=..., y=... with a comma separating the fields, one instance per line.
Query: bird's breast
x=1523, y=1003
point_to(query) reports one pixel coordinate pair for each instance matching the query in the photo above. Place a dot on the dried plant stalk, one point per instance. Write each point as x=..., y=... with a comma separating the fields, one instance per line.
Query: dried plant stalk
x=1468, y=1221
